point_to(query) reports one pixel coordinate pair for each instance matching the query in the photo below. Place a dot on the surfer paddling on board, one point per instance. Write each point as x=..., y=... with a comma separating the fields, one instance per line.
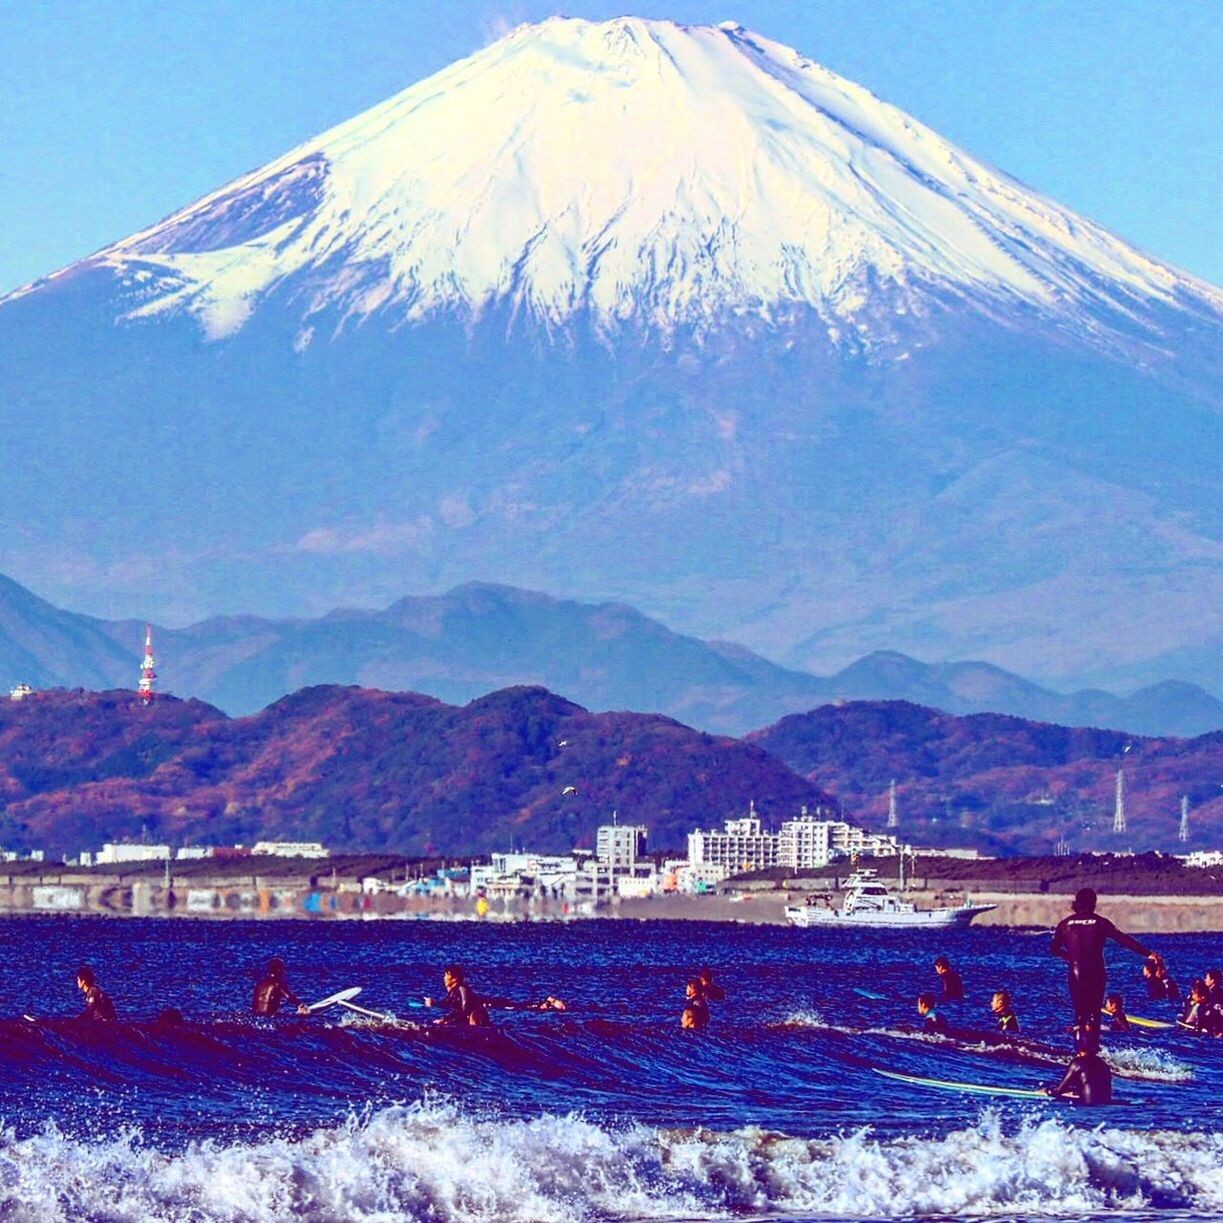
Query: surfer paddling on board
x=97, y=1001
x=932, y=1021
x=272, y=990
x=1114, y=1008
x=1079, y=939
x=462, y=1004
x=1088, y=1079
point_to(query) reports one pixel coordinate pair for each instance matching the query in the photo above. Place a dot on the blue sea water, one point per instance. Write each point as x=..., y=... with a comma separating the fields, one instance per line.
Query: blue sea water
x=607, y=1111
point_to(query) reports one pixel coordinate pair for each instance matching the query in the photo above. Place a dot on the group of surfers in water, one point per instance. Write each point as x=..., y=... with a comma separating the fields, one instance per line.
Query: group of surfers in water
x=1079, y=939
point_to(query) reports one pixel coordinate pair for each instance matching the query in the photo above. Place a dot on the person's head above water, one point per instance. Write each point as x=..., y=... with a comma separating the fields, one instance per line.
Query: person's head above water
x=925, y=1003
x=706, y=974
x=942, y=964
x=689, y=1019
x=86, y=978
x=1114, y=1003
x=693, y=988
x=1199, y=991
x=1214, y=978
x=1085, y=900
x=1001, y=1001
x=452, y=975
x=276, y=968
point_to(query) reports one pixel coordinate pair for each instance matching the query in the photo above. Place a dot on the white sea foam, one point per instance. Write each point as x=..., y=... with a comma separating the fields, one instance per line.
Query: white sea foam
x=433, y=1162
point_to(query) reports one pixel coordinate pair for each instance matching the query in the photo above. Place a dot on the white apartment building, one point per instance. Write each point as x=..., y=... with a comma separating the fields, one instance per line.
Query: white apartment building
x=801, y=844
x=742, y=846
x=620, y=844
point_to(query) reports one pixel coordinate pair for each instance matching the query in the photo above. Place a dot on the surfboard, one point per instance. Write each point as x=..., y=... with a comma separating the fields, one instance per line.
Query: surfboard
x=383, y=1016
x=1139, y=1022
x=870, y=993
x=345, y=995
x=976, y=1089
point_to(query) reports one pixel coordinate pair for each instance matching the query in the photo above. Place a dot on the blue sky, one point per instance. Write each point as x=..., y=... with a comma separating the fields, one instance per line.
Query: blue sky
x=113, y=114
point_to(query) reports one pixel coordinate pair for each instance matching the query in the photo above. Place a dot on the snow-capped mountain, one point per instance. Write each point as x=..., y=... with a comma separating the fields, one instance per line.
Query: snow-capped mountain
x=639, y=310
x=636, y=171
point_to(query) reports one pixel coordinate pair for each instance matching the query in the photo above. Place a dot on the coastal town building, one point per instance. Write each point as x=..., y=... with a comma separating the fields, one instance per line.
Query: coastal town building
x=291, y=849
x=619, y=844
x=805, y=843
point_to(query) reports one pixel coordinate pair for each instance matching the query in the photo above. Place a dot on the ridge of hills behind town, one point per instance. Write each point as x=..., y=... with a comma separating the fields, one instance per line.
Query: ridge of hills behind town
x=370, y=771
x=480, y=637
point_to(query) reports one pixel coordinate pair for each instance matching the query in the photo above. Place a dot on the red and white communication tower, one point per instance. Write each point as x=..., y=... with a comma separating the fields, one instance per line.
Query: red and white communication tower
x=148, y=676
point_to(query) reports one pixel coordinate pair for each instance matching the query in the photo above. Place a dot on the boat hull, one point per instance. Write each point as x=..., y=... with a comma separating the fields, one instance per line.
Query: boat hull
x=918, y=919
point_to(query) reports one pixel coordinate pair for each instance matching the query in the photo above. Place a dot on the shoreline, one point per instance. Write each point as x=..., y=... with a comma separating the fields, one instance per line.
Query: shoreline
x=323, y=897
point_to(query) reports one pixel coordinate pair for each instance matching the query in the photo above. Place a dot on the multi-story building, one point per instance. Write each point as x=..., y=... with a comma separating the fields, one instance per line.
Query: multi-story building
x=743, y=845
x=806, y=843
x=110, y=854
x=620, y=844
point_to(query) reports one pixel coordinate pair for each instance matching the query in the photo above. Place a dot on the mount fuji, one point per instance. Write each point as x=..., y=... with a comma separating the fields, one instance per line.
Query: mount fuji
x=637, y=310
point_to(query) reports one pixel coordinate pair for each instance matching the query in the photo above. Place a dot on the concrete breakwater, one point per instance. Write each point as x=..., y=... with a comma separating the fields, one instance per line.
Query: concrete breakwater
x=329, y=897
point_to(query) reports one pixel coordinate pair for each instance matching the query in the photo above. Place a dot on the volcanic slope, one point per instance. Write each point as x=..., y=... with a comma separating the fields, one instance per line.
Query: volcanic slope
x=670, y=313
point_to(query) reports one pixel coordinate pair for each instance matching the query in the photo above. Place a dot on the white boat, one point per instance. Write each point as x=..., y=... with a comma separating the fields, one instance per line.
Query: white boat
x=870, y=902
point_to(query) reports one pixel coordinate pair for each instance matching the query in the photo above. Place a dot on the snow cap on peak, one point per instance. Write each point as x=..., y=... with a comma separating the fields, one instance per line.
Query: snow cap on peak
x=632, y=171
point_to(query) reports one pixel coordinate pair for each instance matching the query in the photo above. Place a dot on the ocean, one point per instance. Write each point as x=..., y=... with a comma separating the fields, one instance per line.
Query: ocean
x=608, y=1111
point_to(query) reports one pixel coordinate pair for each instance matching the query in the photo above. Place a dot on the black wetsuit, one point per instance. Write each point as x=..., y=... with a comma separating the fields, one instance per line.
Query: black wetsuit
x=98, y=1005
x=952, y=985
x=1080, y=940
x=713, y=991
x=270, y=993
x=934, y=1022
x=1088, y=1080
x=1119, y=1023
x=465, y=1006
x=700, y=1013
x=1008, y=1022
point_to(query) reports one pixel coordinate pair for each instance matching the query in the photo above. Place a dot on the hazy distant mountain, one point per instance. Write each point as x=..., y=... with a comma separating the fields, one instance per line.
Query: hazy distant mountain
x=477, y=638
x=667, y=311
x=1007, y=785
x=369, y=770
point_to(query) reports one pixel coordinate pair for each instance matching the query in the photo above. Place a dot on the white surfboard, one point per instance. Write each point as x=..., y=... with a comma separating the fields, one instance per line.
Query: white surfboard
x=345, y=995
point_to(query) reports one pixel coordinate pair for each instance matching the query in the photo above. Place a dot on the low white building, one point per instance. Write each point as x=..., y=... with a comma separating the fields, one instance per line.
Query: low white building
x=291, y=849
x=109, y=854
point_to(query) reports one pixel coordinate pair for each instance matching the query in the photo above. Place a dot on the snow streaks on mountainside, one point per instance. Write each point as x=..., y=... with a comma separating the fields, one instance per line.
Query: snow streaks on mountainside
x=645, y=172
x=637, y=311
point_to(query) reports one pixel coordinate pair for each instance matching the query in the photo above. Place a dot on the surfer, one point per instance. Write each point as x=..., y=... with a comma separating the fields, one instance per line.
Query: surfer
x=932, y=1021
x=1088, y=1079
x=1008, y=1021
x=950, y=982
x=97, y=1001
x=696, y=1008
x=1079, y=939
x=1114, y=1008
x=272, y=990
x=462, y=1004
x=1200, y=1014
x=712, y=991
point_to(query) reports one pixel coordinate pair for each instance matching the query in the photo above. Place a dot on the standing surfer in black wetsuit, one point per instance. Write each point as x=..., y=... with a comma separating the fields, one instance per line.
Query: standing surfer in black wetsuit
x=1079, y=939
x=950, y=982
x=1088, y=1079
x=462, y=1004
x=272, y=990
x=97, y=1002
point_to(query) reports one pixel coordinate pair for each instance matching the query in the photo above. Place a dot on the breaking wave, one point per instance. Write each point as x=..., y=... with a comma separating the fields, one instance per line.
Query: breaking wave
x=431, y=1161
